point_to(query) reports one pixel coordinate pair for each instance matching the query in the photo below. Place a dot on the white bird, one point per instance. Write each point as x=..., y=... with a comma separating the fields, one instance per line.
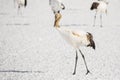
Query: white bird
x=76, y=39
x=56, y=6
x=20, y=3
x=101, y=7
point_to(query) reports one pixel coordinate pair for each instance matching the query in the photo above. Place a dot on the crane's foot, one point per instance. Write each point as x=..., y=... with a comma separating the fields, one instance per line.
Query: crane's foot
x=87, y=72
x=101, y=25
x=74, y=73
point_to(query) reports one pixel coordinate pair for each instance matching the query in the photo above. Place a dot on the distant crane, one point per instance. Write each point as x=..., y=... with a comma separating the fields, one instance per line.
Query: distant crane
x=76, y=39
x=20, y=3
x=56, y=6
x=101, y=7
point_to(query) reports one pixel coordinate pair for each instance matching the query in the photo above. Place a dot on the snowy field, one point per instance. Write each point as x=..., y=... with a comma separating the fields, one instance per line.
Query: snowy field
x=32, y=49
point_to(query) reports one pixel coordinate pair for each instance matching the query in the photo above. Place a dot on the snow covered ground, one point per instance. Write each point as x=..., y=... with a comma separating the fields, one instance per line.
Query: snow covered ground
x=32, y=49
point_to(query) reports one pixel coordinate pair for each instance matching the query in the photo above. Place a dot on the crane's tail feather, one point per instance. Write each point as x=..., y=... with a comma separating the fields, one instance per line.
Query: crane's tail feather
x=92, y=44
x=90, y=38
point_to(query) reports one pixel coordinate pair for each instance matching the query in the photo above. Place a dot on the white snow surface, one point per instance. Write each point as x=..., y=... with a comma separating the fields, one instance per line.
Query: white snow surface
x=32, y=49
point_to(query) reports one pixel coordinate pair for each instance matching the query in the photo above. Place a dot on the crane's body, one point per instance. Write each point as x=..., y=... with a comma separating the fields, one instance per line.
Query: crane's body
x=99, y=6
x=102, y=8
x=56, y=5
x=74, y=37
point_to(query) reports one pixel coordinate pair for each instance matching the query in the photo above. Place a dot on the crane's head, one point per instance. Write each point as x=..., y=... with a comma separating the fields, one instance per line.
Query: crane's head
x=62, y=6
x=90, y=38
x=94, y=5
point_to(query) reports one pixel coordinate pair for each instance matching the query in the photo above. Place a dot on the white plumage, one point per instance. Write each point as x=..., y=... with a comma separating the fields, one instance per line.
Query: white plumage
x=56, y=5
x=74, y=37
x=21, y=3
x=102, y=8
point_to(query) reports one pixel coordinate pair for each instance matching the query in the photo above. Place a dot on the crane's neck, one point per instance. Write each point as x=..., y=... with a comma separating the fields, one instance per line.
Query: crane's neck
x=57, y=20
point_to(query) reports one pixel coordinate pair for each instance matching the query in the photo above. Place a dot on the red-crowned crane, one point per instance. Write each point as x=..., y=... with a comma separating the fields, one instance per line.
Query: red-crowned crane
x=76, y=39
x=20, y=3
x=56, y=6
x=99, y=6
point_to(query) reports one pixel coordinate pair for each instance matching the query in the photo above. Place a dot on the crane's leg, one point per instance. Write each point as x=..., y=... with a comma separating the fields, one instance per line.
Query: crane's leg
x=49, y=2
x=76, y=59
x=14, y=3
x=94, y=19
x=84, y=62
x=101, y=21
x=18, y=9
